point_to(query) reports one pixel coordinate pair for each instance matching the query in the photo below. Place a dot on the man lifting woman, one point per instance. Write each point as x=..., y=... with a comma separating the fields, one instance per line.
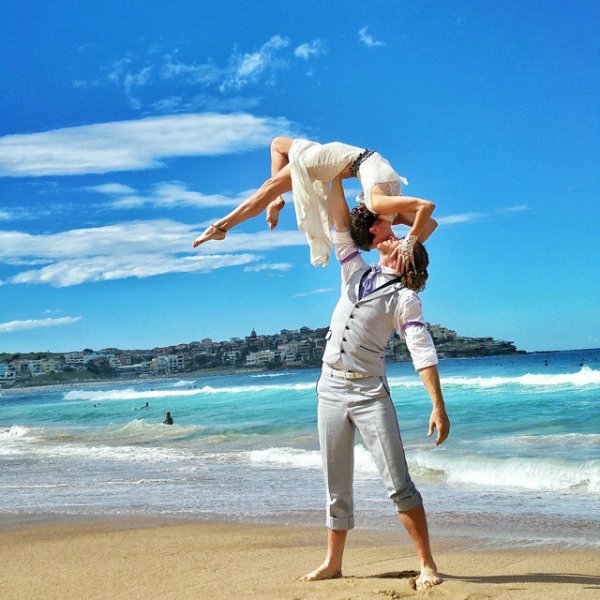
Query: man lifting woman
x=308, y=168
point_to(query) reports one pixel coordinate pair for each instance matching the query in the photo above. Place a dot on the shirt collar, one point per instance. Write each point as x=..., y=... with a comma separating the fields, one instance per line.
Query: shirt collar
x=390, y=271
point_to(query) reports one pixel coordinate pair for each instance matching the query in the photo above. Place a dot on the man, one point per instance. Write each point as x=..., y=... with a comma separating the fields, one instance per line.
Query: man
x=353, y=391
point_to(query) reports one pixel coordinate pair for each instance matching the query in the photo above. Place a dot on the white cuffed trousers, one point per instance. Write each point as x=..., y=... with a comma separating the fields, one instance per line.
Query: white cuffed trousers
x=364, y=404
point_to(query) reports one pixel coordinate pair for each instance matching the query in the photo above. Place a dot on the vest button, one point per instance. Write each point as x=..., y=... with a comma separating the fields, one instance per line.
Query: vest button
x=344, y=340
x=342, y=352
x=347, y=327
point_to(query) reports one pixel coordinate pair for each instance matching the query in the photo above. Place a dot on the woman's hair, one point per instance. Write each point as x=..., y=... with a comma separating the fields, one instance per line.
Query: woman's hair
x=415, y=278
x=361, y=220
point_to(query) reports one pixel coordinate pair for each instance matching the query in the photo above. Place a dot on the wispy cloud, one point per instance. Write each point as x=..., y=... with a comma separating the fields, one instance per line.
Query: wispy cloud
x=10, y=326
x=268, y=267
x=102, y=268
x=112, y=189
x=469, y=217
x=173, y=194
x=244, y=68
x=131, y=249
x=314, y=292
x=141, y=76
x=368, y=40
x=309, y=49
x=134, y=145
x=517, y=208
x=461, y=218
x=190, y=73
x=179, y=104
x=132, y=81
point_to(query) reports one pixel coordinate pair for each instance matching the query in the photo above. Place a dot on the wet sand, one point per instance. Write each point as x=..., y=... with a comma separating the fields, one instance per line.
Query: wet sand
x=131, y=559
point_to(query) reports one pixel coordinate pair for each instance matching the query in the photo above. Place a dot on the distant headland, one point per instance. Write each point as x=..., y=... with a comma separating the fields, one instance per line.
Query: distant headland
x=288, y=349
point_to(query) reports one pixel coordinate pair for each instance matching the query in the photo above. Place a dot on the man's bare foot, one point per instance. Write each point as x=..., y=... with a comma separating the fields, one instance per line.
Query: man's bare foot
x=427, y=579
x=213, y=232
x=323, y=572
x=273, y=210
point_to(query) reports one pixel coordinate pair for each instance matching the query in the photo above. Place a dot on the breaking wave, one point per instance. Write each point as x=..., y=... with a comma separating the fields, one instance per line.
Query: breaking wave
x=585, y=376
x=131, y=394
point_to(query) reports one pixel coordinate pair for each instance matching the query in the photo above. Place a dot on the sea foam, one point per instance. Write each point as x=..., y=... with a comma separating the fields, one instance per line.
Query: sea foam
x=132, y=394
x=585, y=376
x=521, y=473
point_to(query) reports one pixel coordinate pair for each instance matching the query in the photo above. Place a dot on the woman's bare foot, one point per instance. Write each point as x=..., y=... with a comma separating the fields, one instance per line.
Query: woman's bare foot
x=321, y=573
x=213, y=232
x=427, y=579
x=273, y=210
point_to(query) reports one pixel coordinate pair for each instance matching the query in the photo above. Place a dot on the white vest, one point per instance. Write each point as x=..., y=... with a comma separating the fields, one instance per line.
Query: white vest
x=360, y=329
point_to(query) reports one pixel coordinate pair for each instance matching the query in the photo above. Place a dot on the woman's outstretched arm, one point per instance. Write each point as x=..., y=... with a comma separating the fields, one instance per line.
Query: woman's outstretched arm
x=409, y=220
x=391, y=205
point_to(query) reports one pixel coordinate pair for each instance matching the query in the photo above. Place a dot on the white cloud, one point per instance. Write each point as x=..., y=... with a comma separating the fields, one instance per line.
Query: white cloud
x=368, y=40
x=130, y=249
x=112, y=189
x=246, y=68
x=132, y=237
x=5, y=215
x=136, y=80
x=150, y=70
x=314, y=292
x=10, y=326
x=476, y=216
x=192, y=74
x=134, y=145
x=462, y=218
x=517, y=208
x=264, y=240
x=309, y=49
x=178, y=104
x=135, y=237
x=172, y=194
x=106, y=268
x=268, y=267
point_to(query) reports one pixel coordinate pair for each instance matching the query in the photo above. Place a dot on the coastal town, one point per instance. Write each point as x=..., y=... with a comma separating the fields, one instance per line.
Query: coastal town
x=289, y=349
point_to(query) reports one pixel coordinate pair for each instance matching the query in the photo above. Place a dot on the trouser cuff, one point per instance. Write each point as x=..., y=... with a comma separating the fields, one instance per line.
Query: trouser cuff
x=406, y=504
x=340, y=523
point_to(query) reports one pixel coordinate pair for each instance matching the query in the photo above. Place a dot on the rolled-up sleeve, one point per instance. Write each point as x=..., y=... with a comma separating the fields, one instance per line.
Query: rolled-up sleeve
x=411, y=326
x=346, y=251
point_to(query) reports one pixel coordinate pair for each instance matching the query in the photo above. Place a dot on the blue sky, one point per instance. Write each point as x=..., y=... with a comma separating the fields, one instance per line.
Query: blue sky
x=125, y=128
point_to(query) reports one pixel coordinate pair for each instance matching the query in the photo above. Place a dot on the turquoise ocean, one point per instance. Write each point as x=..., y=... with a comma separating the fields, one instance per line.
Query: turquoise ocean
x=521, y=465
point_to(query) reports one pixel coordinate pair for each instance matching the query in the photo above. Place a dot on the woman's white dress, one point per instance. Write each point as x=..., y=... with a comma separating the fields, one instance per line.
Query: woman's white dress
x=313, y=166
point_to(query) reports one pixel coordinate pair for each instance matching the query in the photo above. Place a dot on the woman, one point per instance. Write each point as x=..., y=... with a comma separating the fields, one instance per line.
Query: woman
x=307, y=168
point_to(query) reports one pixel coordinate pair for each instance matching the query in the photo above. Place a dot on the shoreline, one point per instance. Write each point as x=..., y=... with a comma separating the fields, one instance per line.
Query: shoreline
x=499, y=533
x=124, y=558
x=214, y=372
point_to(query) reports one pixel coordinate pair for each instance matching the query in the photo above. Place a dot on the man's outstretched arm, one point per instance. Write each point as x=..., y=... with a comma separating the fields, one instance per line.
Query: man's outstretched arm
x=339, y=206
x=438, y=419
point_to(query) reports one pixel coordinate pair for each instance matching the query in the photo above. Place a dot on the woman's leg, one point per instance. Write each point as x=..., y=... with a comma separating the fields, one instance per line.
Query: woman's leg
x=267, y=192
x=280, y=149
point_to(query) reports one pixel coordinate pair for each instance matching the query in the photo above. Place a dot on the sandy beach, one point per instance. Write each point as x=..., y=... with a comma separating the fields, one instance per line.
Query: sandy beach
x=133, y=559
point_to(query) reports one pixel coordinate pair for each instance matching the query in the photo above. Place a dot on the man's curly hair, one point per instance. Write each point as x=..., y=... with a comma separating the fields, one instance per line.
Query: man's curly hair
x=361, y=220
x=416, y=278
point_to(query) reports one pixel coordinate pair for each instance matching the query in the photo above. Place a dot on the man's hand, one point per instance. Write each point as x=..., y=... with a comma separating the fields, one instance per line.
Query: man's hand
x=396, y=257
x=439, y=420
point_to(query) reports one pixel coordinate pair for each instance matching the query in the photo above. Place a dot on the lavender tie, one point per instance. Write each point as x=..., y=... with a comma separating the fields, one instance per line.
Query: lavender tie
x=368, y=283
